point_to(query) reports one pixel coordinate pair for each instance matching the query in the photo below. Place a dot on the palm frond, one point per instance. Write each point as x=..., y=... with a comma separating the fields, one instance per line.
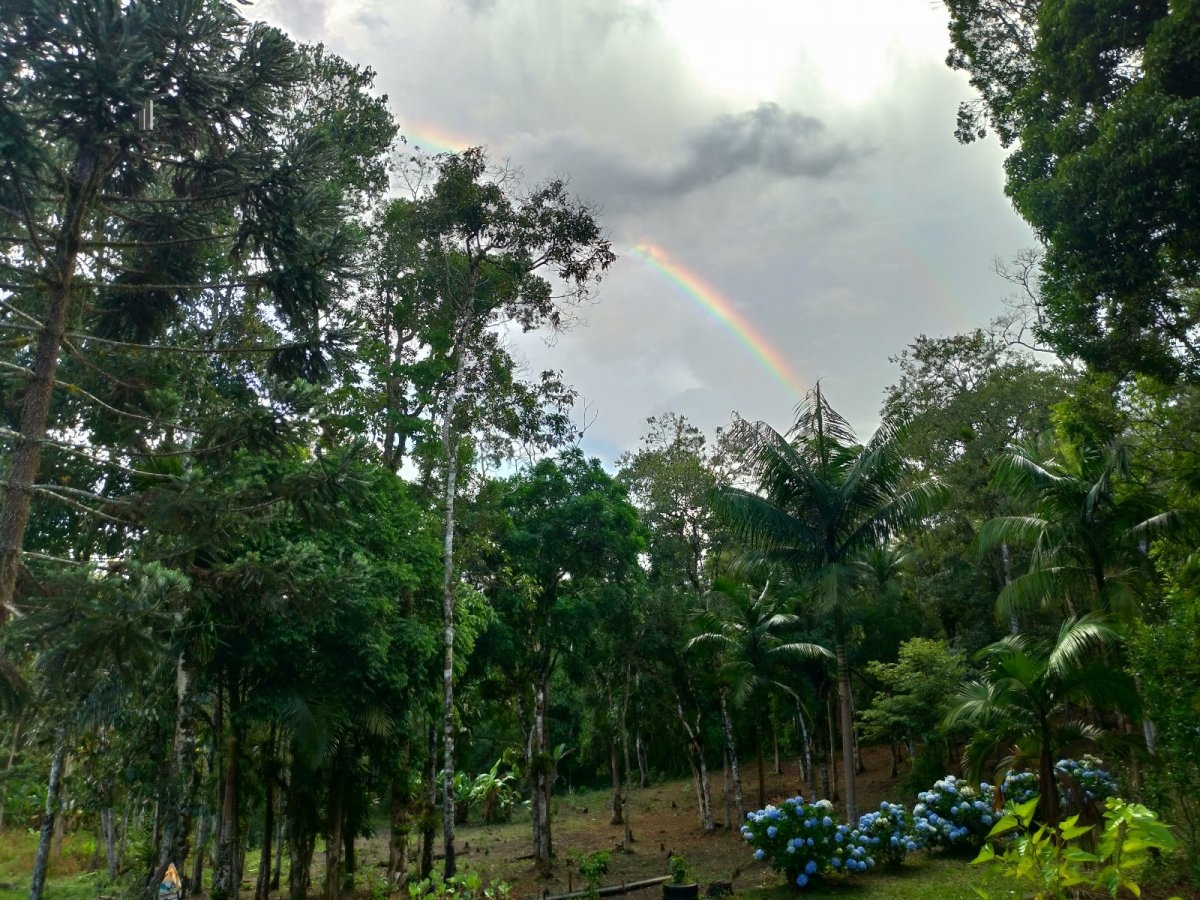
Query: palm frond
x=1027, y=593
x=804, y=650
x=1017, y=472
x=1077, y=640
x=1022, y=530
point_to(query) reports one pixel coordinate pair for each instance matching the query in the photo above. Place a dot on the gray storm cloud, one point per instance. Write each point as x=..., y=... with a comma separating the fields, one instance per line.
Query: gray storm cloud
x=767, y=140
x=767, y=137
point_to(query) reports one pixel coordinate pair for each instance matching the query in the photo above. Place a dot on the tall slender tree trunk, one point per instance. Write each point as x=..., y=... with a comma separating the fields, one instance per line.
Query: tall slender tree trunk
x=336, y=811
x=699, y=768
x=37, y=881
x=262, y=887
x=450, y=451
x=91, y=167
x=178, y=790
x=731, y=748
x=805, y=747
x=204, y=832
x=642, y=761
x=277, y=869
x=726, y=790
x=628, y=839
x=301, y=811
x=227, y=872
x=429, y=819
x=108, y=829
x=542, y=776
x=400, y=810
x=614, y=764
x=1049, y=805
x=845, y=707
x=615, y=770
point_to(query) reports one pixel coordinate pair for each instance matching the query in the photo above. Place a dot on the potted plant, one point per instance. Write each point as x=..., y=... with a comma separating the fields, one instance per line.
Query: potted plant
x=681, y=886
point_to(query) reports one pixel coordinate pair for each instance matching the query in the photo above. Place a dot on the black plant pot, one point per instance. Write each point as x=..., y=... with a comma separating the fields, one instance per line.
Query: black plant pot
x=680, y=891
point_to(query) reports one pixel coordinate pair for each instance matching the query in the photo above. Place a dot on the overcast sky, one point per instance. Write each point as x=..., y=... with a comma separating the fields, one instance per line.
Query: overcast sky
x=787, y=168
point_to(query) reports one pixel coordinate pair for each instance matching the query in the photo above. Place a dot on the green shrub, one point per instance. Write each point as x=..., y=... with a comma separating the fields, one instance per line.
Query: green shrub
x=1053, y=864
x=467, y=886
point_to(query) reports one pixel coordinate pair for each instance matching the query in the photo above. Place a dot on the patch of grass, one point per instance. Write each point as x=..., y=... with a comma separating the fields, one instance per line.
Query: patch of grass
x=922, y=877
x=18, y=847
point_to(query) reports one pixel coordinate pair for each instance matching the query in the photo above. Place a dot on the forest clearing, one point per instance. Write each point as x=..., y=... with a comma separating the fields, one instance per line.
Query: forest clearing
x=664, y=823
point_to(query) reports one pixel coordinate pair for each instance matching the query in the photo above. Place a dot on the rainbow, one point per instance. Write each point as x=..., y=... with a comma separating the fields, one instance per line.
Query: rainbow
x=724, y=312
x=435, y=139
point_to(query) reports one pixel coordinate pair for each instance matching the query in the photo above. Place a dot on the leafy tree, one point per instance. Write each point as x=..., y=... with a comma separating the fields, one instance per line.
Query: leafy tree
x=461, y=259
x=823, y=500
x=568, y=540
x=912, y=692
x=1099, y=102
x=671, y=477
x=1165, y=659
x=967, y=399
x=1035, y=696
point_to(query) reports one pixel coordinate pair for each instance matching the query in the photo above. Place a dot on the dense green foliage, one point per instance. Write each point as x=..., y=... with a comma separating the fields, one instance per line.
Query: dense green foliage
x=1099, y=102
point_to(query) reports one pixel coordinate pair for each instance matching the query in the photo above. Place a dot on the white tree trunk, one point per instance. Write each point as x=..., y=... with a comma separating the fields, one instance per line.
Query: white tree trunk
x=734, y=771
x=450, y=451
x=37, y=881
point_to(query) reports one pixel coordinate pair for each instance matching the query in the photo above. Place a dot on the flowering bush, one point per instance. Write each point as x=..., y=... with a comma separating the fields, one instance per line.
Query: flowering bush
x=802, y=840
x=890, y=832
x=1083, y=780
x=954, y=813
x=1087, y=776
x=1020, y=787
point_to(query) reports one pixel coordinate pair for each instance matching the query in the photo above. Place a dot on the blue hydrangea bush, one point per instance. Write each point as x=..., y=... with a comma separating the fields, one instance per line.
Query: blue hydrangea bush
x=1087, y=777
x=890, y=832
x=1079, y=781
x=802, y=840
x=1020, y=787
x=954, y=814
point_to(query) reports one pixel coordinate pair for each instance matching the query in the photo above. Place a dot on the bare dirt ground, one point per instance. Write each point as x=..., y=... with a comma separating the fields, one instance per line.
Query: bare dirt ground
x=664, y=820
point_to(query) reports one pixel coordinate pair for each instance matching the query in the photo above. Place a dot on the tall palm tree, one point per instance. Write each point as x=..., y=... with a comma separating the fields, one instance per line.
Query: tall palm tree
x=748, y=629
x=1031, y=694
x=822, y=500
x=1088, y=527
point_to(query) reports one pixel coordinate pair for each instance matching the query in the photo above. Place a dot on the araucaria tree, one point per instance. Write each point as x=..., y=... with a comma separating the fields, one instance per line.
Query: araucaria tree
x=160, y=160
x=823, y=500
